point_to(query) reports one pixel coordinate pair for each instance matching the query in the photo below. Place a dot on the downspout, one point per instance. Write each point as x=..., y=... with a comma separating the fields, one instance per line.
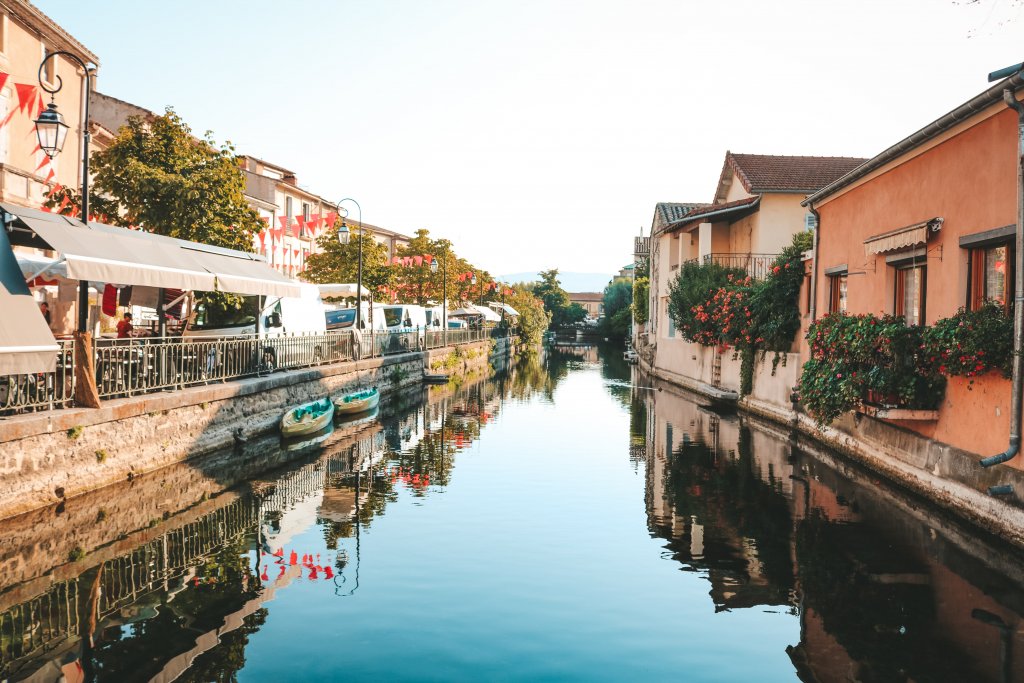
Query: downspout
x=1018, y=297
x=814, y=268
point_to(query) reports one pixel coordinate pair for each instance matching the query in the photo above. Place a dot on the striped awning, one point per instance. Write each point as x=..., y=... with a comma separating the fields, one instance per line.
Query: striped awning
x=902, y=238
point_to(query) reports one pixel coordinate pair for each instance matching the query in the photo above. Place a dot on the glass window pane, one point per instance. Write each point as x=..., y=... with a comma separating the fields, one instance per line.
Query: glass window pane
x=995, y=274
x=912, y=295
x=842, y=293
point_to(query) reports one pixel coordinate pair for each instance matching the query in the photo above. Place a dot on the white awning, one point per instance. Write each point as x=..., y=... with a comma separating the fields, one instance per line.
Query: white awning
x=498, y=306
x=472, y=310
x=26, y=343
x=902, y=238
x=340, y=289
x=104, y=253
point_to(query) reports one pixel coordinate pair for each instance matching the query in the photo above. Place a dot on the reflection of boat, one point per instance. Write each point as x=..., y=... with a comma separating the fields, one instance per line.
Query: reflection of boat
x=436, y=377
x=307, y=418
x=359, y=402
x=313, y=440
x=353, y=419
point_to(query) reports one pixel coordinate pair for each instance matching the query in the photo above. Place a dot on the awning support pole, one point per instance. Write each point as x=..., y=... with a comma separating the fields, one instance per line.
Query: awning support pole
x=83, y=305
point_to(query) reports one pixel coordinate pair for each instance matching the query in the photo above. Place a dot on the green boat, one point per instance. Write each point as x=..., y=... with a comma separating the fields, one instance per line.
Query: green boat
x=307, y=418
x=359, y=402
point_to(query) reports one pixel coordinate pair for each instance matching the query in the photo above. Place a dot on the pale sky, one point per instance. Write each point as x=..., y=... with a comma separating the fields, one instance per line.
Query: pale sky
x=540, y=133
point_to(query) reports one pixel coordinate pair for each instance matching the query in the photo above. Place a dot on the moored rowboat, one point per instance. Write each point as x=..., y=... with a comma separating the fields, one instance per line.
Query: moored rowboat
x=359, y=402
x=307, y=418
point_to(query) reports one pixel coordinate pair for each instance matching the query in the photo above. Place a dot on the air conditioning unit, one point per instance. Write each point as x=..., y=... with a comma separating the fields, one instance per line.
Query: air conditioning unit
x=810, y=222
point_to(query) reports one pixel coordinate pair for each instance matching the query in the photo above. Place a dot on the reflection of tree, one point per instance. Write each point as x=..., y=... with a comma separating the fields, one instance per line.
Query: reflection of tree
x=223, y=662
x=739, y=512
x=224, y=582
x=637, y=429
x=869, y=600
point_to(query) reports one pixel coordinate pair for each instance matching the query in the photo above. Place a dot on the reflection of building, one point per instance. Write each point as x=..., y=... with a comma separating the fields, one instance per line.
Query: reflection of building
x=883, y=590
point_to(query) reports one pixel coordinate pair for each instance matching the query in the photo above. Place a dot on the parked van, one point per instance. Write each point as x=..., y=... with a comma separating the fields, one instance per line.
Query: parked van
x=280, y=319
x=345, y=318
x=400, y=318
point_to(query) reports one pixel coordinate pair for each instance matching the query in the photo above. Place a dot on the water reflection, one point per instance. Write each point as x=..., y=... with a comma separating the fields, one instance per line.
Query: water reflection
x=273, y=564
x=884, y=588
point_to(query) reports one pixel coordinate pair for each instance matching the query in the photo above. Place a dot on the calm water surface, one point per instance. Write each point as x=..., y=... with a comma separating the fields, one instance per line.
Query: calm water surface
x=559, y=520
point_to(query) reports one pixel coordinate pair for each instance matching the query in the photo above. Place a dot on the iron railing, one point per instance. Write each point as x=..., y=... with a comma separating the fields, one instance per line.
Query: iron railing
x=757, y=266
x=44, y=390
x=126, y=367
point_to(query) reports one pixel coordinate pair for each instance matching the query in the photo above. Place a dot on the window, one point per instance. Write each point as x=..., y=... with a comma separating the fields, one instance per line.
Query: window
x=49, y=66
x=288, y=211
x=837, y=287
x=990, y=276
x=910, y=294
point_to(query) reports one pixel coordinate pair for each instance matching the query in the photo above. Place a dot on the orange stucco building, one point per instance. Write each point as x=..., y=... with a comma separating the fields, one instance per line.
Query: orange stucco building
x=921, y=230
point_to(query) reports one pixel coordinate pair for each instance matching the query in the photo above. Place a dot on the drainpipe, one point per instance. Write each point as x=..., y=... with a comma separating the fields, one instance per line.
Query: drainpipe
x=814, y=268
x=1018, y=297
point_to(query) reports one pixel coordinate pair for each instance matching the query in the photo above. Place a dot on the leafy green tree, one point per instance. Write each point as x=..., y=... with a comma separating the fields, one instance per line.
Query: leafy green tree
x=337, y=262
x=641, y=294
x=157, y=175
x=618, y=301
x=574, y=314
x=556, y=300
x=533, y=318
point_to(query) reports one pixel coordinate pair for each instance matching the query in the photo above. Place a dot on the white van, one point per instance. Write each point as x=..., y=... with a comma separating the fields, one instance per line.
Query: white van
x=280, y=318
x=407, y=318
x=435, y=315
x=344, y=318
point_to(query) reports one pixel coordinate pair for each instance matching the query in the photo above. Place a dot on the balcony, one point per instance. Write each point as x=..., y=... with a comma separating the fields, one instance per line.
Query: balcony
x=641, y=247
x=757, y=266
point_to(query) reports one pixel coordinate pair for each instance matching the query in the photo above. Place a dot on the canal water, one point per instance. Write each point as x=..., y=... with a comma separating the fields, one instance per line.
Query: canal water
x=565, y=518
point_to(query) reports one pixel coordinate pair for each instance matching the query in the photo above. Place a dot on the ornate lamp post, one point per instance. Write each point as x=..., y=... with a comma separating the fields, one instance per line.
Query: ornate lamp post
x=52, y=132
x=344, y=236
x=444, y=299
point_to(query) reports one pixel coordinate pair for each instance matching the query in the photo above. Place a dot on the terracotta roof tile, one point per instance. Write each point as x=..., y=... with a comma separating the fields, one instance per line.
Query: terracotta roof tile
x=773, y=173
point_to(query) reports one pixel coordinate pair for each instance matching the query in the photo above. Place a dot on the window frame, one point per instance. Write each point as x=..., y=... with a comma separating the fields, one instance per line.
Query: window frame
x=838, y=296
x=976, y=259
x=899, y=290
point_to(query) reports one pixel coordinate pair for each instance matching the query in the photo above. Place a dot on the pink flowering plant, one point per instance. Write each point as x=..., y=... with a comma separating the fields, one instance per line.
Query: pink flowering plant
x=866, y=358
x=971, y=343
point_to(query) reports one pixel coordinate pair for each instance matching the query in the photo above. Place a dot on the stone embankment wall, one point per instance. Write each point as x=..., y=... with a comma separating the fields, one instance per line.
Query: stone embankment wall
x=948, y=477
x=51, y=456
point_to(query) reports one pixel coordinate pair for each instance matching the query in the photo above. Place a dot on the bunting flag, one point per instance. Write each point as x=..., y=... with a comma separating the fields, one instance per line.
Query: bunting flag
x=418, y=260
x=26, y=96
x=314, y=222
x=397, y=261
x=283, y=220
x=300, y=223
x=3, y=79
x=332, y=216
x=263, y=240
x=428, y=258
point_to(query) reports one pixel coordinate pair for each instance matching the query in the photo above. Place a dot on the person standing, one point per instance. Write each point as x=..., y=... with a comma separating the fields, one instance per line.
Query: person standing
x=44, y=308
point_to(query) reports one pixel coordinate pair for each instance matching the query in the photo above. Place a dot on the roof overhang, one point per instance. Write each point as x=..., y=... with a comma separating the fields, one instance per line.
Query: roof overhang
x=976, y=105
x=729, y=213
x=498, y=306
x=96, y=252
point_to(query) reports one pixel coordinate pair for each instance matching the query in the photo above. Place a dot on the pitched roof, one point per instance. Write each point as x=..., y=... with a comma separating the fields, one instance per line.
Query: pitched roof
x=672, y=211
x=731, y=211
x=762, y=173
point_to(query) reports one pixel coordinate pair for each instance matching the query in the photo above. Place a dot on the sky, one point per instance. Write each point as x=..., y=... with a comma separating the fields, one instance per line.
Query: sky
x=540, y=134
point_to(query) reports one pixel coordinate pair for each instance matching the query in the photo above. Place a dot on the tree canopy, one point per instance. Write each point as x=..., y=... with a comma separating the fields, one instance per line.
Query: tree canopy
x=618, y=314
x=156, y=174
x=337, y=262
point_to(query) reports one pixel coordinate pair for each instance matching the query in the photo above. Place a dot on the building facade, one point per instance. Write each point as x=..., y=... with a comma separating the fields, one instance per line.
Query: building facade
x=26, y=37
x=925, y=228
x=755, y=213
x=592, y=302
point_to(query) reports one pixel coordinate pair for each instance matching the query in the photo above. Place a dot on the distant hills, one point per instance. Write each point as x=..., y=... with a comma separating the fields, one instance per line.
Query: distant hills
x=571, y=282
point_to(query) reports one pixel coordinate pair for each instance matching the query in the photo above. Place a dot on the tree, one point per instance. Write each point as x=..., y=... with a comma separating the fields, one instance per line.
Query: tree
x=533, y=318
x=337, y=262
x=618, y=314
x=575, y=313
x=157, y=175
x=556, y=300
x=641, y=293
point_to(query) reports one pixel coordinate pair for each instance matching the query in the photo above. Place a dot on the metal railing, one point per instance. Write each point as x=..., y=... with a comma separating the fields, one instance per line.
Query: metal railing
x=126, y=367
x=757, y=266
x=44, y=390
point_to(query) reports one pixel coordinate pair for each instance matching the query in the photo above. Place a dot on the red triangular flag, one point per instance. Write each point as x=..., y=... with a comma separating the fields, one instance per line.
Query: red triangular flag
x=418, y=260
x=26, y=95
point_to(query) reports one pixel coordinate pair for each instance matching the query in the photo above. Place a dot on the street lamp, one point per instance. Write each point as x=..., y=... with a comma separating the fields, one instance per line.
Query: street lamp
x=344, y=236
x=444, y=295
x=52, y=132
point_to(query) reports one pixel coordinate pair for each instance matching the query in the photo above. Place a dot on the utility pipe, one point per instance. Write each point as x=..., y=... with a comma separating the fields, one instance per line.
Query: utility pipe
x=1018, y=297
x=814, y=267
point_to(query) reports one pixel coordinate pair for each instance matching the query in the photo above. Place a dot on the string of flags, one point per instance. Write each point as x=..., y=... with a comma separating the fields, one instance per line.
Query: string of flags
x=30, y=103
